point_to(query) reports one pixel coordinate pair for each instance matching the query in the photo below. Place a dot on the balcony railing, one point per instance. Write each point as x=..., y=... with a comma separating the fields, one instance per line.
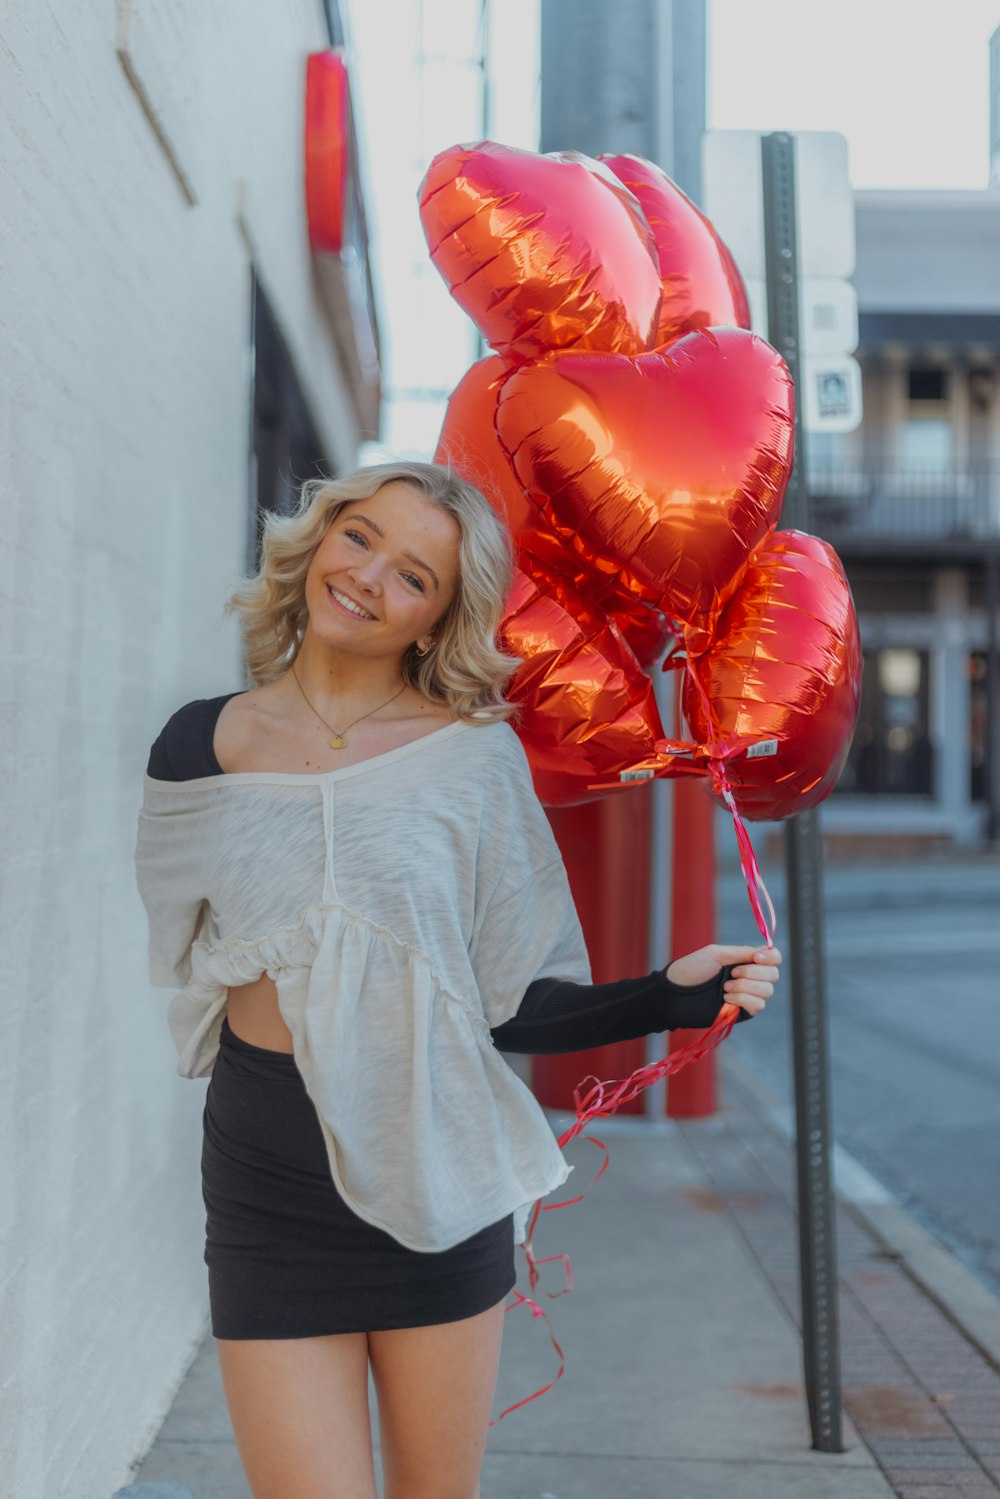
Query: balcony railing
x=890, y=502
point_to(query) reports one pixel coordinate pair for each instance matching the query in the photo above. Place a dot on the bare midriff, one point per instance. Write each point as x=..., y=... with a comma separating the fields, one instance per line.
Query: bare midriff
x=254, y=1015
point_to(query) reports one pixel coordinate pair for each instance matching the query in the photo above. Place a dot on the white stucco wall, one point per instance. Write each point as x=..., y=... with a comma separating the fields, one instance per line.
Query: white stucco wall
x=124, y=325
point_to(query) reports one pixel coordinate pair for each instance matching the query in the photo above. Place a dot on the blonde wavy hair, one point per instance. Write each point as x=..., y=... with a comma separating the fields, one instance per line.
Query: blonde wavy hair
x=464, y=666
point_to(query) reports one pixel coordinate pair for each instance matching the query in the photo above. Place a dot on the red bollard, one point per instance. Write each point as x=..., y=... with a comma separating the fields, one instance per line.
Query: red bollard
x=605, y=845
x=691, y=1092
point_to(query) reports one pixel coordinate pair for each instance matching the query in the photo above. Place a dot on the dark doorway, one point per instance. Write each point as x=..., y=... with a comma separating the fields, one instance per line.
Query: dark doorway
x=892, y=753
x=978, y=731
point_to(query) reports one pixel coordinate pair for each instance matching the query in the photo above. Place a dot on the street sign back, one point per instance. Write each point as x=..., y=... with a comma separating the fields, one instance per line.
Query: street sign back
x=732, y=185
x=828, y=313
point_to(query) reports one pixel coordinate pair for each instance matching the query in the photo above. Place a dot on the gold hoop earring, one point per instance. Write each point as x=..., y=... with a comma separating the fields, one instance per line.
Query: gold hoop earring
x=424, y=652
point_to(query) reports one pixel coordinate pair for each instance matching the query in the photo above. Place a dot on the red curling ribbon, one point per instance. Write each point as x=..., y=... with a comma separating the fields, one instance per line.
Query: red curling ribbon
x=536, y=1311
x=748, y=859
x=600, y=1101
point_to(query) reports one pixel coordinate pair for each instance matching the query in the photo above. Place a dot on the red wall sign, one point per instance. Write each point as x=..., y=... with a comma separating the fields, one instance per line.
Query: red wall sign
x=327, y=149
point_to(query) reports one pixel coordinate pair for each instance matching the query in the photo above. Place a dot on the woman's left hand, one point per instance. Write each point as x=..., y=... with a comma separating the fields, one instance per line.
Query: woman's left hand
x=754, y=972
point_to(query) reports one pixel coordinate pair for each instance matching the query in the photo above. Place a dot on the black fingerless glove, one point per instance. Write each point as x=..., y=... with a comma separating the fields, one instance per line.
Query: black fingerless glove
x=695, y=1006
x=558, y=1016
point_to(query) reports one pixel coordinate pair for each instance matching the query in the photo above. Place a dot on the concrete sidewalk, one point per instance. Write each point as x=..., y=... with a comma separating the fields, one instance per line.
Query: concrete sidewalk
x=683, y=1377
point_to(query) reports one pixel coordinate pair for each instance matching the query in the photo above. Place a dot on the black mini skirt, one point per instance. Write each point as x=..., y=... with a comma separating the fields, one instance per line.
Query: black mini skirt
x=286, y=1256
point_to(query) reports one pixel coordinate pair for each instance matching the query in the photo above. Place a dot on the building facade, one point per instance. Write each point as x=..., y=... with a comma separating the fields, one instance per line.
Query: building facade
x=911, y=501
x=175, y=359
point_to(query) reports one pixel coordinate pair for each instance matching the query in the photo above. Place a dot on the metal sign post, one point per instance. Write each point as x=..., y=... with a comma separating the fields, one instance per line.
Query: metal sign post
x=817, y=1234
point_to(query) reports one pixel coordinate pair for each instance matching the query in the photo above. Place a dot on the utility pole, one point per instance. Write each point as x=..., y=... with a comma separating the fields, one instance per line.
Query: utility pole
x=817, y=1229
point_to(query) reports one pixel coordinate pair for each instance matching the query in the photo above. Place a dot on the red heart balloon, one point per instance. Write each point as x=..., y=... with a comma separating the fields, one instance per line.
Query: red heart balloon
x=587, y=708
x=664, y=472
x=784, y=671
x=646, y=629
x=543, y=252
x=702, y=287
x=469, y=444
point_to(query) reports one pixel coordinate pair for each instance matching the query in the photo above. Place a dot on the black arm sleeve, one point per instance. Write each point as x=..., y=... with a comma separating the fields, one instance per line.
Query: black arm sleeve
x=183, y=749
x=557, y=1016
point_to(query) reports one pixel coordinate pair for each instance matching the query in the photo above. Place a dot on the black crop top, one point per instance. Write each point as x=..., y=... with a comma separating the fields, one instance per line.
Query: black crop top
x=554, y=1015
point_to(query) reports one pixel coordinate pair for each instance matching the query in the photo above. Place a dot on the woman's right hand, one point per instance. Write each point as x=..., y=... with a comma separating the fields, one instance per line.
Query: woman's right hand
x=754, y=972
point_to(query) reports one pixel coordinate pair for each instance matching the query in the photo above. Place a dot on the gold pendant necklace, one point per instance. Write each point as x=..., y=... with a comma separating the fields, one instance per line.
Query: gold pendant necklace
x=339, y=739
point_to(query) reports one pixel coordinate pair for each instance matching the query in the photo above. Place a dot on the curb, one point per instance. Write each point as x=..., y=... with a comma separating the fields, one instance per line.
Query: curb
x=973, y=1309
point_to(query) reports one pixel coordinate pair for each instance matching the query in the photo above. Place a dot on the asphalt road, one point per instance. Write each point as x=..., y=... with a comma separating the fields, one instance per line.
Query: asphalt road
x=913, y=986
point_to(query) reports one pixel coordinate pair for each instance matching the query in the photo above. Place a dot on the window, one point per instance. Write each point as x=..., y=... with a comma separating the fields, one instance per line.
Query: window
x=925, y=434
x=891, y=753
x=925, y=444
x=927, y=383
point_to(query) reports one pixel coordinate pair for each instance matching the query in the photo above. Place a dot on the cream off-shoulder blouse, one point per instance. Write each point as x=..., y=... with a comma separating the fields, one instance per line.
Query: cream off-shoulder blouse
x=402, y=906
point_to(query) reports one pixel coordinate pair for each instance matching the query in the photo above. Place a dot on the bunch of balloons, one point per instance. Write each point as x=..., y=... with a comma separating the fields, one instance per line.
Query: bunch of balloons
x=638, y=439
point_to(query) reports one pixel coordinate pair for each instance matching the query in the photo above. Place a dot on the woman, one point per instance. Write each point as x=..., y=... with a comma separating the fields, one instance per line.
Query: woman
x=347, y=871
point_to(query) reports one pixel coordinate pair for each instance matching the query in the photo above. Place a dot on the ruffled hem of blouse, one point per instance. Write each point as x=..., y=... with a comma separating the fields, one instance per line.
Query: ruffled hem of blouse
x=242, y=960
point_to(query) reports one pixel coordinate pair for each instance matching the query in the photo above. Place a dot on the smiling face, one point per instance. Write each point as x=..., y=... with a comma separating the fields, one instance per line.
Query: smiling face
x=384, y=573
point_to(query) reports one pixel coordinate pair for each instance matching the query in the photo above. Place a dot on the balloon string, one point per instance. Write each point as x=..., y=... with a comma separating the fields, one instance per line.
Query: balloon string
x=753, y=878
x=751, y=872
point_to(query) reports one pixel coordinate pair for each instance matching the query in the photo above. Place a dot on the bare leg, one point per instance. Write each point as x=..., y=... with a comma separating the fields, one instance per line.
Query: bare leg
x=299, y=1408
x=435, y=1386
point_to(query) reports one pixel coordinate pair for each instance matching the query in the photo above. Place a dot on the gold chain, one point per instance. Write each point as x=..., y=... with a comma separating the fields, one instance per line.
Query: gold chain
x=339, y=740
